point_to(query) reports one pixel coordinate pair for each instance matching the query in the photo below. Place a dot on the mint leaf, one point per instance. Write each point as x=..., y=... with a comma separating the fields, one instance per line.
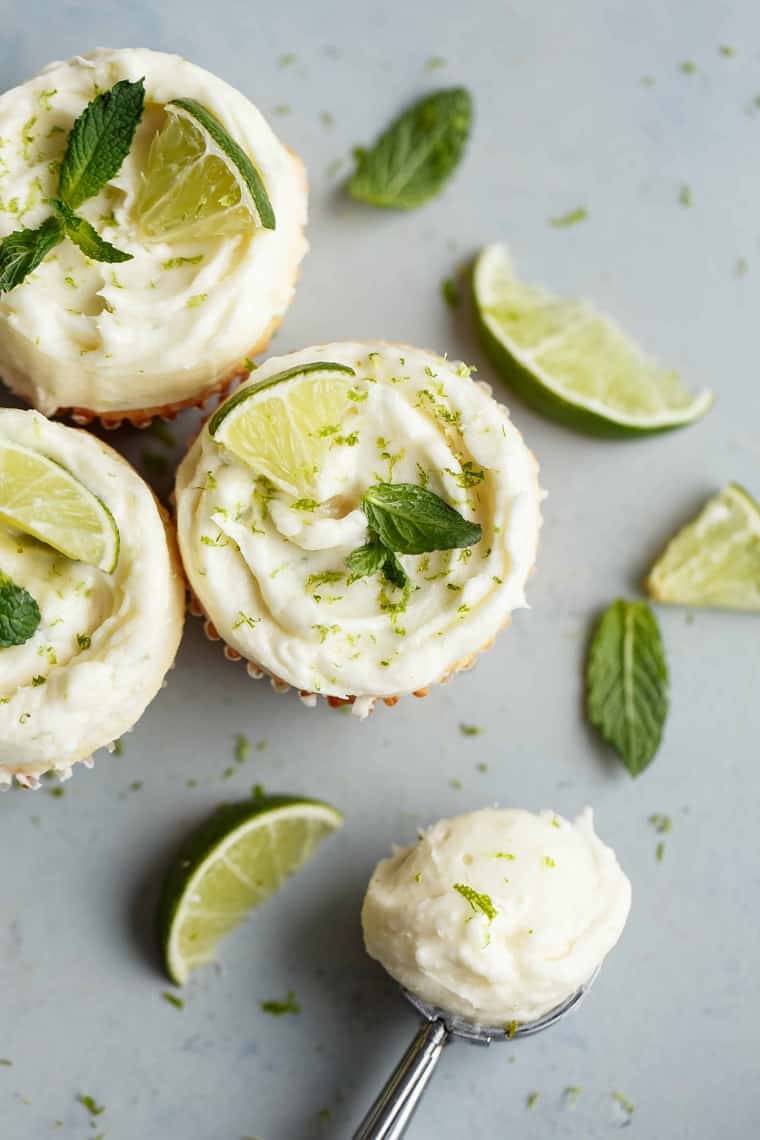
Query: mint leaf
x=100, y=140
x=82, y=234
x=21, y=252
x=19, y=613
x=415, y=156
x=367, y=560
x=409, y=519
x=627, y=678
x=394, y=572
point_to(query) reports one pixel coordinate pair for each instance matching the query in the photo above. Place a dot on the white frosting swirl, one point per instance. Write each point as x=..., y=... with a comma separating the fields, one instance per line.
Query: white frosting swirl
x=80, y=333
x=272, y=576
x=549, y=902
x=105, y=641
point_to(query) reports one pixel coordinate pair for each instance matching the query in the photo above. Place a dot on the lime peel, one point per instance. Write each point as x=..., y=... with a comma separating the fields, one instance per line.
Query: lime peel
x=571, y=362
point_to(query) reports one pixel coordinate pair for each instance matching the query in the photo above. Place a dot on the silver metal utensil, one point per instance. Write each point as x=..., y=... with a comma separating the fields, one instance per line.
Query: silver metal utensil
x=389, y=1116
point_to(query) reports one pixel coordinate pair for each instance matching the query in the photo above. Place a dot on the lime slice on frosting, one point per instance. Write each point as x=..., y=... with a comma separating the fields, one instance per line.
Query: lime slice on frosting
x=198, y=183
x=571, y=362
x=283, y=428
x=42, y=499
x=715, y=559
x=230, y=864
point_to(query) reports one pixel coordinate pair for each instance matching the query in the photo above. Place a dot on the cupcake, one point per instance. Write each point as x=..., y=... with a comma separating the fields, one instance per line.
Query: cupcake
x=162, y=271
x=359, y=521
x=91, y=597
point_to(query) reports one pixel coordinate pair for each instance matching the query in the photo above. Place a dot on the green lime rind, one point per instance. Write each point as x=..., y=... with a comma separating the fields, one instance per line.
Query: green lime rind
x=535, y=386
x=714, y=560
x=204, y=848
x=236, y=154
x=248, y=390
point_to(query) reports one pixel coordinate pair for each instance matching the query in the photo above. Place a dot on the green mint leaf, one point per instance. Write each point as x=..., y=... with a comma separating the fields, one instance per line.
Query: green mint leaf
x=21, y=252
x=415, y=156
x=82, y=234
x=367, y=560
x=412, y=520
x=99, y=141
x=236, y=154
x=394, y=572
x=19, y=613
x=627, y=678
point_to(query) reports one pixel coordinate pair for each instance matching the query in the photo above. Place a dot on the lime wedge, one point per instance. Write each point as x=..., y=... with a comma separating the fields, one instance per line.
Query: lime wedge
x=230, y=864
x=571, y=362
x=715, y=559
x=41, y=498
x=198, y=183
x=283, y=427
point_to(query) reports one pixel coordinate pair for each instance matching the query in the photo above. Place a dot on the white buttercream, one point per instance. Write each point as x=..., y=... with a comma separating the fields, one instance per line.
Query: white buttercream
x=272, y=578
x=115, y=337
x=560, y=901
x=105, y=641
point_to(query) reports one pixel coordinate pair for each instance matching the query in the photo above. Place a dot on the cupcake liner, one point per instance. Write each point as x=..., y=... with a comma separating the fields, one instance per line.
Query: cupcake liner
x=361, y=707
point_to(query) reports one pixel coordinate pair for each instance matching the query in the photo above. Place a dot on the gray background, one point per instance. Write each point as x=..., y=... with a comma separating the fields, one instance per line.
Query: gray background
x=563, y=120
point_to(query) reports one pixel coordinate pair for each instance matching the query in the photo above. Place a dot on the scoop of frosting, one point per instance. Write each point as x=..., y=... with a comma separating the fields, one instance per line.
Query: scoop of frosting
x=497, y=916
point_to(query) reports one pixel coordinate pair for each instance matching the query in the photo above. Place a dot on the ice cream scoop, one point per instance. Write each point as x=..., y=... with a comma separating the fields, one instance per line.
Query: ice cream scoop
x=495, y=923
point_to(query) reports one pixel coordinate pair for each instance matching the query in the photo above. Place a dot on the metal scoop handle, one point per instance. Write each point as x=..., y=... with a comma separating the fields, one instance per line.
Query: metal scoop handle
x=390, y=1114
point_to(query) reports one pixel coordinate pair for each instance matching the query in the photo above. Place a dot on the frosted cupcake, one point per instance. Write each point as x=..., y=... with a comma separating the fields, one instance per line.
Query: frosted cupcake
x=359, y=521
x=162, y=273
x=91, y=597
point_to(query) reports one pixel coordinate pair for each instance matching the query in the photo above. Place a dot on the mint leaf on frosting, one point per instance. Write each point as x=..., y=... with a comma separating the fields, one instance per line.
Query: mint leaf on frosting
x=418, y=152
x=21, y=252
x=408, y=519
x=85, y=236
x=19, y=613
x=97, y=145
x=366, y=560
x=627, y=678
x=100, y=140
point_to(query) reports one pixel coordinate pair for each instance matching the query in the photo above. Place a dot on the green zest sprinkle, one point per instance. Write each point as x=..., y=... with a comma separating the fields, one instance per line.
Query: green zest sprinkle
x=548, y=861
x=660, y=851
x=172, y=999
x=91, y=1104
x=39, y=680
x=688, y=67
x=572, y=1092
x=450, y=292
x=531, y=1099
x=279, y=1008
x=471, y=729
x=625, y=1102
x=505, y=855
x=84, y=641
x=118, y=748
x=684, y=195
x=479, y=902
x=176, y=262
x=510, y=1029
x=195, y=301
x=660, y=822
x=304, y=505
x=242, y=748
x=727, y=51
x=571, y=218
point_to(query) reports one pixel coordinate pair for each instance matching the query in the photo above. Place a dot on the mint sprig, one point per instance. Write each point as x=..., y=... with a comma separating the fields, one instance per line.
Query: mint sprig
x=100, y=140
x=627, y=678
x=19, y=613
x=406, y=519
x=97, y=145
x=417, y=153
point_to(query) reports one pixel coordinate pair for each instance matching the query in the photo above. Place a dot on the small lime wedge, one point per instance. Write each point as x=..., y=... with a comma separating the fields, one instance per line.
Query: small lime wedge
x=283, y=428
x=571, y=362
x=198, y=183
x=715, y=559
x=235, y=860
x=40, y=498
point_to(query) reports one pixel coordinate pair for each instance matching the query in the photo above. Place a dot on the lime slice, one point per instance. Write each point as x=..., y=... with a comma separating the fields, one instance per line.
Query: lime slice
x=230, y=864
x=198, y=183
x=283, y=427
x=715, y=559
x=571, y=362
x=41, y=498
